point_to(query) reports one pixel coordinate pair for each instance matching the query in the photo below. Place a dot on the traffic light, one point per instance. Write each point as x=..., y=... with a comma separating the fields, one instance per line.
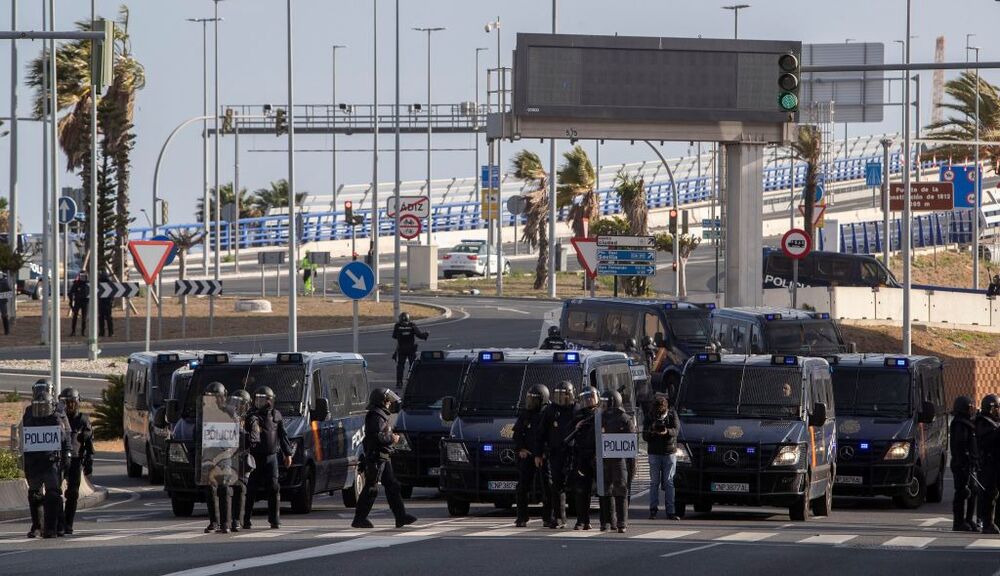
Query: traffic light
x=280, y=122
x=227, y=121
x=164, y=212
x=684, y=221
x=102, y=54
x=673, y=221
x=349, y=212
x=788, y=82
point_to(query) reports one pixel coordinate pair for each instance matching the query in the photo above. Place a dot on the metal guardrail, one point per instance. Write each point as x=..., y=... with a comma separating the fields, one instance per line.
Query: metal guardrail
x=937, y=229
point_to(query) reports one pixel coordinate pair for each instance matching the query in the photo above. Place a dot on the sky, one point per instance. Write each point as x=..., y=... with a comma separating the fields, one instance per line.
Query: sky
x=252, y=70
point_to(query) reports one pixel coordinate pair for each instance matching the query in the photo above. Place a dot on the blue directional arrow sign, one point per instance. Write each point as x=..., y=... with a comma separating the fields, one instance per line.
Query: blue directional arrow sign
x=67, y=210
x=626, y=269
x=356, y=280
x=627, y=255
x=173, y=251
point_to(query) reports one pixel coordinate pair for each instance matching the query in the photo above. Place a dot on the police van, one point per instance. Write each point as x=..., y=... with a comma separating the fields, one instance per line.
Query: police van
x=768, y=330
x=416, y=460
x=478, y=461
x=827, y=269
x=147, y=388
x=678, y=329
x=323, y=398
x=892, y=433
x=756, y=431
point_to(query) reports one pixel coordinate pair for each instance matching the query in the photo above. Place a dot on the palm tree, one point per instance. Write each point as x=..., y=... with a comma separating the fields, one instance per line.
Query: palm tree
x=275, y=196
x=807, y=148
x=631, y=191
x=247, y=209
x=688, y=243
x=528, y=167
x=576, y=179
x=962, y=125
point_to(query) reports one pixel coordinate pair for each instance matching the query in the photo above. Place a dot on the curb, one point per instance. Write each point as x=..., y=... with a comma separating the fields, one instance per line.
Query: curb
x=14, y=497
x=481, y=296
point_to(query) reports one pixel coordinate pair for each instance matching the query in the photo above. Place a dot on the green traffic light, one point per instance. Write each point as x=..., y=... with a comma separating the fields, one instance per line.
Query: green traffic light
x=788, y=101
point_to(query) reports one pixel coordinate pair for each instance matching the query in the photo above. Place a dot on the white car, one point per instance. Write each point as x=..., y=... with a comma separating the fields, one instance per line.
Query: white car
x=469, y=259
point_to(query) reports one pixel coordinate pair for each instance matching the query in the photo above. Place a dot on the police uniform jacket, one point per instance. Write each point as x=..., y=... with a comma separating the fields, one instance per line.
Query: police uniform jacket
x=988, y=440
x=4, y=287
x=554, y=343
x=616, y=421
x=556, y=424
x=405, y=334
x=273, y=437
x=83, y=435
x=79, y=293
x=378, y=435
x=962, y=443
x=39, y=462
x=583, y=443
x=526, y=432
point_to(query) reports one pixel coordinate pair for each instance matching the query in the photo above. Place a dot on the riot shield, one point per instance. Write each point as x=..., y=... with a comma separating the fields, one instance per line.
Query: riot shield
x=219, y=444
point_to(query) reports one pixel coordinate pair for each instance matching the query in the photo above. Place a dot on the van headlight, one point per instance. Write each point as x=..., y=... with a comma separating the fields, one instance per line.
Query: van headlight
x=683, y=455
x=898, y=451
x=456, y=452
x=178, y=454
x=403, y=445
x=787, y=456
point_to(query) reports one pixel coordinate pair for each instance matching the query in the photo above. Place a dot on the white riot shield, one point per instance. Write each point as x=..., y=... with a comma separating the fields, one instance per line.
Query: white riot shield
x=219, y=447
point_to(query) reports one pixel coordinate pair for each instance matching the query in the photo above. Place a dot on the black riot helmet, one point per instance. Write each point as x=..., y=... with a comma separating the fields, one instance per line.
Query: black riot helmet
x=41, y=385
x=564, y=394
x=215, y=389
x=263, y=398
x=404, y=317
x=42, y=406
x=241, y=401
x=72, y=399
x=589, y=398
x=536, y=397
x=963, y=407
x=631, y=344
x=379, y=396
x=612, y=400
x=990, y=405
x=554, y=332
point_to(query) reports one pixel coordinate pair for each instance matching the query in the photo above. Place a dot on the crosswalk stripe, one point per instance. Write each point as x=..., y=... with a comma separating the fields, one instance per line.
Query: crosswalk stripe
x=666, y=534
x=576, y=534
x=179, y=536
x=429, y=531
x=101, y=538
x=828, y=539
x=908, y=542
x=746, y=536
x=15, y=541
x=343, y=534
x=268, y=534
x=503, y=532
x=985, y=543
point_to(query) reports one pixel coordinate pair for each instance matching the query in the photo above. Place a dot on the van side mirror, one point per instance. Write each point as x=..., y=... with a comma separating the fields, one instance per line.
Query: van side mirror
x=140, y=400
x=927, y=413
x=818, y=415
x=658, y=340
x=160, y=418
x=322, y=410
x=173, y=410
x=449, y=410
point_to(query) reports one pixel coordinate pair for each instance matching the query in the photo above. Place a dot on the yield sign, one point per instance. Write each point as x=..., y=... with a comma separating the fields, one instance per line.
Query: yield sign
x=818, y=211
x=586, y=253
x=150, y=256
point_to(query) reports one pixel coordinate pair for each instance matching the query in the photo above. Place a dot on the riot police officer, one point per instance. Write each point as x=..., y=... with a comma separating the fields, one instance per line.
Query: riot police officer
x=529, y=454
x=79, y=298
x=554, y=341
x=584, y=446
x=82, y=444
x=104, y=306
x=47, y=452
x=614, y=420
x=556, y=424
x=218, y=496
x=964, y=461
x=5, y=287
x=249, y=435
x=378, y=444
x=273, y=441
x=405, y=333
x=988, y=440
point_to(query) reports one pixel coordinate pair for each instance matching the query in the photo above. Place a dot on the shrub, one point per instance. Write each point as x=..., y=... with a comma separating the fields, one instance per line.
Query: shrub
x=108, y=417
x=11, y=396
x=9, y=469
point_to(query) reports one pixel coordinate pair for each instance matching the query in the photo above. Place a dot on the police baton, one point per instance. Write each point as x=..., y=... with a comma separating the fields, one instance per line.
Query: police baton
x=972, y=476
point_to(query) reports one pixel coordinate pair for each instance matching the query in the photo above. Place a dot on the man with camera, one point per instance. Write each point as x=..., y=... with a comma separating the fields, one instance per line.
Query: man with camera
x=660, y=434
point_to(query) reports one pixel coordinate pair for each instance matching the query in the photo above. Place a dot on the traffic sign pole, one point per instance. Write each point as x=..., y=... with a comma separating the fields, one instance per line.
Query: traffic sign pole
x=796, y=244
x=356, y=280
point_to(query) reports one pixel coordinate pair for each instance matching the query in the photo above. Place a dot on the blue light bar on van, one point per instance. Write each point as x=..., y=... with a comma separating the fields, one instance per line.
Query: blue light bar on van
x=432, y=355
x=779, y=360
x=289, y=358
x=864, y=446
x=669, y=306
x=707, y=357
x=215, y=359
x=566, y=357
x=712, y=448
x=709, y=306
x=487, y=447
x=821, y=315
x=193, y=364
x=491, y=356
x=770, y=317
x=167, y=358
x=897, y=362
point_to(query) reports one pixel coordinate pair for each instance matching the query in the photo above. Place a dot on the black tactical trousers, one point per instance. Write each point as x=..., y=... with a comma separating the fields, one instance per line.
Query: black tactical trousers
x=48, y=479
x=989, y=477
x=402, y=357
x=218, y=498
x=78, y=310
x=527, y=472
x=239, y=500
x=73, y=477
x=614, y=513
x=582, y=488
x=4, y=317
x=375, y=472
x=555, y=483
x=264, y=476
x=104, y=320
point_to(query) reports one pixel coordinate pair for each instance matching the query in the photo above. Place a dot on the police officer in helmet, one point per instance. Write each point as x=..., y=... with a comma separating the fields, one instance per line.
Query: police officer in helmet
x=556, y=424
x=241, y=402
x=988, y=440
x=405, y=333
x=554, y=341
x=378, y=444
x=529, y=454
x=82, y=444
x=584, y=447
x=218, y=495
x=964, y=462
x=47, y=452
x=614, y=420
x=273, y=441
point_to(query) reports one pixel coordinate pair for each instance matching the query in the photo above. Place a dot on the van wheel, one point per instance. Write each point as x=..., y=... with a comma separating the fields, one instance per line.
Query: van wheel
x=457, y=507
x=822, y=505
x=406, y=491
x=799, y=511
x=37, y=293
x=182, y=507
x=352, y=493
x=915, y=493
x=155, y=474
x=935, y=492
x=448, y=275
x=701, y=507
x=131, y=470
x=302, y=500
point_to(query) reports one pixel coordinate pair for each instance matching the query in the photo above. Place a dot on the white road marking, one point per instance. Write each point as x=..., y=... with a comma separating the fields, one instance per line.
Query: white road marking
x=833, y=539
x=746, y=536
x=576, y=533
x=344, y=534
x=179, y=536
x=515, y=310
x=666, y=534
x=16, y=540
x=908, y=542
x=267, y=534
x=985, y=543
x=429, y=532
x=695, y=549
x=102, y=538
x=503, y=532
x=935, y=521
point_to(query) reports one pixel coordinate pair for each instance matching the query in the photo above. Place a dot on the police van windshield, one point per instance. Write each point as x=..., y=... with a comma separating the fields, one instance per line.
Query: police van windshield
x=795, y=336
x=287, y=381
x=497, y=388
x=872, y=392
x=689, y=325
x=429, y=383
x=729, y=391
x=161, y=386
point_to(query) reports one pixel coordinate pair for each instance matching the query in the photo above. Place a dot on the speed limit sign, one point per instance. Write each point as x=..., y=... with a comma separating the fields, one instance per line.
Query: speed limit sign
x=796, y=244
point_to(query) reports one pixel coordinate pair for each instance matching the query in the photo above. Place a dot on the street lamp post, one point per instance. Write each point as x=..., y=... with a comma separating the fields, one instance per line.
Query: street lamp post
x=333, y=126
x=204, y=135
x=55, y=317
x=975, y=190
x=12, y=201
x=907, y=211
x=475, y=121
x=92, y=349
x=430, y=215
x=218, y=190
x=736, y=17
x=293, y=324
x=396, y=183
x=375, y=215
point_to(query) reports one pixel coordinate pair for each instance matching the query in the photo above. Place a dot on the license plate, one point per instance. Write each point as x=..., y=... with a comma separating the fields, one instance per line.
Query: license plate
x=433, y=471
x=502, y=485
x=730, y=487
x=849, y=479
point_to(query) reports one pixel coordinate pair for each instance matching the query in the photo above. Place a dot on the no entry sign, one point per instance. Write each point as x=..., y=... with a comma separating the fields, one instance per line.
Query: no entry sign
x=409, y=226
x=796, y=244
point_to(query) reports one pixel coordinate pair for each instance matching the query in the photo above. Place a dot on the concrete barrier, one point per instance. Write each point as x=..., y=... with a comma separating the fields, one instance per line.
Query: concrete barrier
x=14, y=497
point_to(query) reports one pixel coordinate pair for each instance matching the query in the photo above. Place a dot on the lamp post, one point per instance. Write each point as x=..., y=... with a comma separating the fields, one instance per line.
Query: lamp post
x=494, y=26
x=375, y=215
x=736, y=17
x=204, y=133
x=218, y=191
x=333, y=126
x=430, y=215
x=475, y=120
x=396, y=183
x=55, y=341
x=907, y=211
x=293, y=323
x=975, y=190
x=12, y=200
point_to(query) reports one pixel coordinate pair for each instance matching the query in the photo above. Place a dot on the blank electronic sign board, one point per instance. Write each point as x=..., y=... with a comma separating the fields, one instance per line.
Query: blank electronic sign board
x=649, y=79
